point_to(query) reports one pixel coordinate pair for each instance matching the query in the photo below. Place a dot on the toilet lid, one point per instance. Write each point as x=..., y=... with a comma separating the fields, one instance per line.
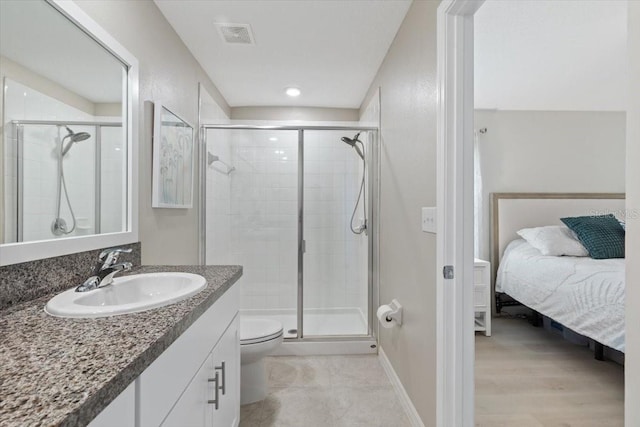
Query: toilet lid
x=254, y=330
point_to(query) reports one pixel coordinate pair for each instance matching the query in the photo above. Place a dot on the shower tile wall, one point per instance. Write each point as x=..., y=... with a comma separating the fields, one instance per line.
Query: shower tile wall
x=335, y=265
x=252, y=218
x=264, y=217
x=40, y=167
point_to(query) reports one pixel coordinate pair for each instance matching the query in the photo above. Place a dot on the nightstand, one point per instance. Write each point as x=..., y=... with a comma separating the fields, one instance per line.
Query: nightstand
x=482, y=296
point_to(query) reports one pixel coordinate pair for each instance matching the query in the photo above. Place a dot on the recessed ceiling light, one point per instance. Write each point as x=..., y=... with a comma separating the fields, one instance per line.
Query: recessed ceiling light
x=293, y=91
x=273, y=138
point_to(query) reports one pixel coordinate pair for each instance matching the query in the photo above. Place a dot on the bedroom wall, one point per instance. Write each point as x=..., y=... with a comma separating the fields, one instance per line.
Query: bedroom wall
x=169, y=73
x=632, y=367
x=549, y=151
x=407, y=81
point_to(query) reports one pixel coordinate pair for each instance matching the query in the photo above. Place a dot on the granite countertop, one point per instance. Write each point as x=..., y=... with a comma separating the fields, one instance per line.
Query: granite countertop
x=64, y=372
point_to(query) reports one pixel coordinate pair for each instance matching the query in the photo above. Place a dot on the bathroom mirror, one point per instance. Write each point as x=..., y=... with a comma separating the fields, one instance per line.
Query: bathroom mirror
x=67, y=152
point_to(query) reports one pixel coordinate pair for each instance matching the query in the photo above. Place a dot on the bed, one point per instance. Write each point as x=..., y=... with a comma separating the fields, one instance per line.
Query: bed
x=581, y=293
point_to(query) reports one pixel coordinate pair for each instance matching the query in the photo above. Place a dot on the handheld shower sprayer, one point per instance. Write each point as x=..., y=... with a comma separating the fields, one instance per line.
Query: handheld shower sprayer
x=353, y=142
x=59, y=225
x=73, y=138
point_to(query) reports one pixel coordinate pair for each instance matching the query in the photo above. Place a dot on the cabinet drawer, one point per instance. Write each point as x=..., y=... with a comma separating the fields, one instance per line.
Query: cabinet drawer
x=162, y=383
x=480, y=295
x=478, y=275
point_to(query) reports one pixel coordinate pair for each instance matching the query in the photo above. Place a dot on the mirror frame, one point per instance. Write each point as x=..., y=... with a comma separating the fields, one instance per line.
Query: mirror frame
x=14, y=253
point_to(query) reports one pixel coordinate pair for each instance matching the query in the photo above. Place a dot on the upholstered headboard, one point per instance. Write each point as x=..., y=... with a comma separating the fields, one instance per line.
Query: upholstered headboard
x=511, y=212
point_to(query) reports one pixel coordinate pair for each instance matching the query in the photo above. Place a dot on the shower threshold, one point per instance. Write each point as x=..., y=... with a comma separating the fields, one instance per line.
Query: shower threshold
x=326, y=331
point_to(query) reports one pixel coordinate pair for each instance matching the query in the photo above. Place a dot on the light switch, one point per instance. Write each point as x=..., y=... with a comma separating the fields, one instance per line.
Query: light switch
x=429, y=220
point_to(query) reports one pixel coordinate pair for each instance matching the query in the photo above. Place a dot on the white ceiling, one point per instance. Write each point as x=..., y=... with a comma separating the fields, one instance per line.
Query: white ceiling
x=40, y=38
x=331, y=50
x=551, y=55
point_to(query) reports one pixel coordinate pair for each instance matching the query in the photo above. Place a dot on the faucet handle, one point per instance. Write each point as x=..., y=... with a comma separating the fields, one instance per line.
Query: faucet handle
x=109, y=257
x=113, y=251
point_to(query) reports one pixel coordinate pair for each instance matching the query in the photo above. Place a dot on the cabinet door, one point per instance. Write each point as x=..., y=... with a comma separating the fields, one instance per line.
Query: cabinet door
x=121, y=412
x=226, y=361
x=193, y=408
x=165, y=380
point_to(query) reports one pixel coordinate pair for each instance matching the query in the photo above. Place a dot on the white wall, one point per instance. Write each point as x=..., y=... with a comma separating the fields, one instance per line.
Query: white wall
x=294, y=113
x=407, y=81
x=23, y=75
x=168, y=73
x=550, y=55
x=632, y=366
x=549, y=151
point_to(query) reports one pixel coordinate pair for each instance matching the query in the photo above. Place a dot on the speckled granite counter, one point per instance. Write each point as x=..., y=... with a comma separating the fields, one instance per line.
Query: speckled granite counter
x=64, y=372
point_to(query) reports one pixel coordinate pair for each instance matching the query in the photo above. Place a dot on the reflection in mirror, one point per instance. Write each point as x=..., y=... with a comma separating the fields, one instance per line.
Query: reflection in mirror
x=63, y=146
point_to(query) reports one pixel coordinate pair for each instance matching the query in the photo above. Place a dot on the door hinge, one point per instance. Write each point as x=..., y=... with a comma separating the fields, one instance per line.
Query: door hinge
x=303, y=246
x=447, y=272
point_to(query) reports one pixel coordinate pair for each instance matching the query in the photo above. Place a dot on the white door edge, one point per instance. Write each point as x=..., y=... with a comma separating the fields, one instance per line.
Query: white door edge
x=455, y=342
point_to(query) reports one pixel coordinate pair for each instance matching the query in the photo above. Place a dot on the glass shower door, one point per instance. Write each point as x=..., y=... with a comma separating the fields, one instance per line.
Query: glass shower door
x=335, y=267
x=252, y=217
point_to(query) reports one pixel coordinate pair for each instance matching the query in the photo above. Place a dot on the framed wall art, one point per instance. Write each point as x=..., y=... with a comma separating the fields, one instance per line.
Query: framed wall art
x=173, y=160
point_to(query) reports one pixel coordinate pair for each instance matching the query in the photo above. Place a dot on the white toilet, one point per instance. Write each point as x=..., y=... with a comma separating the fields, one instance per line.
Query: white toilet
x=259, y=337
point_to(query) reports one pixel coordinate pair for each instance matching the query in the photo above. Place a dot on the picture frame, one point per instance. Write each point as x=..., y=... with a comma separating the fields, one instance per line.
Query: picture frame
x=173, y=160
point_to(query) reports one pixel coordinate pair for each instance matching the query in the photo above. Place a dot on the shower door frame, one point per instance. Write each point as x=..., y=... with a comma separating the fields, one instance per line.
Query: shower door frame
x=18, y=134
x=372, y=211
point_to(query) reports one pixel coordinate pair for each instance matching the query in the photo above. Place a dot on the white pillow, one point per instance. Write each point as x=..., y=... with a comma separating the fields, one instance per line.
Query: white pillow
x=554, y=240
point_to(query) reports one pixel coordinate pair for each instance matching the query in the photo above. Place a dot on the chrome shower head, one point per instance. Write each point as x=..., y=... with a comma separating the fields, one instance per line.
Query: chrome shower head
x=73, y=138
x=80, y=136
x=352, y=142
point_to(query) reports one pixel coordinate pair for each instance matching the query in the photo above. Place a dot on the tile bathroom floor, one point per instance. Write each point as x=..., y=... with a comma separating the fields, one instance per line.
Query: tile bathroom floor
x=326, y=391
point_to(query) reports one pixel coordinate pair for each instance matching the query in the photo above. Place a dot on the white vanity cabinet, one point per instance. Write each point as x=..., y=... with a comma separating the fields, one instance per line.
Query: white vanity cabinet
x=212, y=398
x=193, y=383
x=121, y=411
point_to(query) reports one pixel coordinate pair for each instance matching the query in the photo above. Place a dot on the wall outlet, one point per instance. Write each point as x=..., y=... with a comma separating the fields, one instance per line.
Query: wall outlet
x=429, y=220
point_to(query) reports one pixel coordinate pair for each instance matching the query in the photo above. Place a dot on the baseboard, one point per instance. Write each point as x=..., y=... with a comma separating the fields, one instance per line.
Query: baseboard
x=405, y=401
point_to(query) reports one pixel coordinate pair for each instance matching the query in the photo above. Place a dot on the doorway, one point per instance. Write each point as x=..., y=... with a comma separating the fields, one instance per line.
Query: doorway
x=455, y=194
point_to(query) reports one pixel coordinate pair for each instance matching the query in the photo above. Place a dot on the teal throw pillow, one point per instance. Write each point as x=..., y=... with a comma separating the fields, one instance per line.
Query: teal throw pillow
x=603, y=236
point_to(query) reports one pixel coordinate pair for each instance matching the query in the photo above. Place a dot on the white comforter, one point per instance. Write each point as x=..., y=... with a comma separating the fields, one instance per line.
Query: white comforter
x=581, y=293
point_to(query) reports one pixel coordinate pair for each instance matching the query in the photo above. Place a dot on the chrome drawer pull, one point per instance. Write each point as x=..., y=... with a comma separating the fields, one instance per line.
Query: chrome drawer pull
x=215, y=401
x=223, y=369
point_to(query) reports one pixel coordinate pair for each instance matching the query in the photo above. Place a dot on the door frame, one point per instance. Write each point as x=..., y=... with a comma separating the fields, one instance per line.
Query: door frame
x=455, y=111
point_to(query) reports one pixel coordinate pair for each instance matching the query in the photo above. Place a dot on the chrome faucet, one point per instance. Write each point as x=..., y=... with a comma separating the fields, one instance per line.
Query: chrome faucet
x=104, y=270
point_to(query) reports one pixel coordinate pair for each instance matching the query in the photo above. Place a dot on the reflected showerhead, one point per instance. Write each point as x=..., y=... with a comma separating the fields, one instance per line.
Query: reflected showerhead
x=352, y=142
x=80, y=136
x=73, y=138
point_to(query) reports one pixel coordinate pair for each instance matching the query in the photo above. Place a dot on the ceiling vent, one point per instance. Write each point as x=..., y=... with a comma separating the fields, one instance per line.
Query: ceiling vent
x=236, y=33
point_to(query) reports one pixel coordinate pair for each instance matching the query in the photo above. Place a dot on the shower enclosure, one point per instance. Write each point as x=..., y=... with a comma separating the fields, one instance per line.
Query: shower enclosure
x=69, y=177
x=286, y=203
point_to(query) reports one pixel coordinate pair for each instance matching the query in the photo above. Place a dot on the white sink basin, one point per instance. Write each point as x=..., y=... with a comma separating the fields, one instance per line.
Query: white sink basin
x=127, y=294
